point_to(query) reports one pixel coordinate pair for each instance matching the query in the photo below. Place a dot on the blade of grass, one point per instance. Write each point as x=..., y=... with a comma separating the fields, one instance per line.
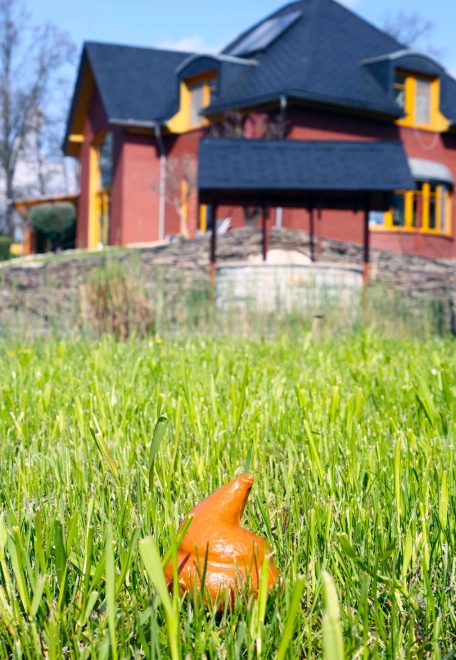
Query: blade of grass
x=157, y=437
x=333, y=643
x=295, y=604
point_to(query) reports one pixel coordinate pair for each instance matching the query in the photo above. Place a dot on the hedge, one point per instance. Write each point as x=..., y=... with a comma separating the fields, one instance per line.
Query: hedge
x=5, y=244
x=53, y=219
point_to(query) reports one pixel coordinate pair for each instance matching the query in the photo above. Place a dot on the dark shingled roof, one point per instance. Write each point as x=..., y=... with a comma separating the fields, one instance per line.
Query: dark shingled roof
x=318, y=59
x=136, y=83
x=328, y=55
x=296, y=165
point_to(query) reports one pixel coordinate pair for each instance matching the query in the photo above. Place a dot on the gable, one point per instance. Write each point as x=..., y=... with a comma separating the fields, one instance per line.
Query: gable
x=137, y=87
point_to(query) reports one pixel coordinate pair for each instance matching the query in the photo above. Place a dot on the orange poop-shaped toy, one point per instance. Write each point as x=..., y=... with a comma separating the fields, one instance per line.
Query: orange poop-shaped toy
x=235, y=555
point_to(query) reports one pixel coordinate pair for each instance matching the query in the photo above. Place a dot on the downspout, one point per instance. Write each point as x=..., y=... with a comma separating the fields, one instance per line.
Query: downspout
x=279, y=210
x=162, y=189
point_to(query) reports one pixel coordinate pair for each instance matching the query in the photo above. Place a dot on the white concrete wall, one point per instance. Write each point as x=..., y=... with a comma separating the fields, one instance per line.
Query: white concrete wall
x=287, y=287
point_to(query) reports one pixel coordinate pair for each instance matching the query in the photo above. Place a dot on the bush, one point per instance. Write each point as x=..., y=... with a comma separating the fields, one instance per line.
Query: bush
x=53, y=219
x=112, y=303
x=5, y=244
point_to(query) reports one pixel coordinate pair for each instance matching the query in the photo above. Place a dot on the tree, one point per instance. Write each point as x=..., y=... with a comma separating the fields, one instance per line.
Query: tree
x=31, y=59
x=412, y=30
x=181, y=184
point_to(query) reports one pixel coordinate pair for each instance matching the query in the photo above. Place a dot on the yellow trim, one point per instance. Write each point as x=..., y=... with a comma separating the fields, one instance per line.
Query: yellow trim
x=98, y=198
x=203, y=218
x=426, y=195
x=81, y=109
x=17, y=249
x=93, y=237
x=180, y=123
x=438, y=122
x=425, y=207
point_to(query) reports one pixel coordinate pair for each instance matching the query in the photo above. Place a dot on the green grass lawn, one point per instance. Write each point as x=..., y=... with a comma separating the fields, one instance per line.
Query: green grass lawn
x=352, y=448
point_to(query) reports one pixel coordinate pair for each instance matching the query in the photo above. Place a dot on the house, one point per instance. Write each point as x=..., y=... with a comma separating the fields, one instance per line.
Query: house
x=313, y=67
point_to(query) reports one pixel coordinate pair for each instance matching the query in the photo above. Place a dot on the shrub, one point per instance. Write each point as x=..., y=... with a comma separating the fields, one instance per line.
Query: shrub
x=53, y=219
x=5, y=244
x=112, y=303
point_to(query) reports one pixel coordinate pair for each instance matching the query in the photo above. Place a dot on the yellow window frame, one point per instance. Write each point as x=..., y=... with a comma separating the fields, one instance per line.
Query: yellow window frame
x=181, y=123
x=442, y=193
x=438, y=122
x=98, y=232
x=102, y=204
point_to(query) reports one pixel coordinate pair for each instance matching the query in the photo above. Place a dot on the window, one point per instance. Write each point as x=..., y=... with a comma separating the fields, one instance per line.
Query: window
x=426, y=209
x=264, y=34
x=399, y=210
x=399, y=90
x=418, y=96
x=101, y=174
x=195, y=95
x=196, y=103
x=423, y=102
x=105, y=160
x=105, y=167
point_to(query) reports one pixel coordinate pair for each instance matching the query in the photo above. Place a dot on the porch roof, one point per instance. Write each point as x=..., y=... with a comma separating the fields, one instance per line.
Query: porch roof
x=293, y=173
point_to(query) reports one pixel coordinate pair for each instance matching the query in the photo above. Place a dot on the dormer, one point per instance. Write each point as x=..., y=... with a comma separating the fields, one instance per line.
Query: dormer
x=199, y=79
x=413, y=79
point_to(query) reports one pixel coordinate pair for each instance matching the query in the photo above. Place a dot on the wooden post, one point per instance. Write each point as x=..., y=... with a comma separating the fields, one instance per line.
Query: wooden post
x=311, y=232
x=265, y=218
x=212, y=213
x=366, y=245
x=419, y=211
x=319, y=233
x=366, y=271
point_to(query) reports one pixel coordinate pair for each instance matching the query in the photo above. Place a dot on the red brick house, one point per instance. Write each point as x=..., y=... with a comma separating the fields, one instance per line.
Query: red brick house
x=325, y=72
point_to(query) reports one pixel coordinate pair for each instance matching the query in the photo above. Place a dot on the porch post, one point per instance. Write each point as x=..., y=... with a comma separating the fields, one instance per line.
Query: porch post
x=418, y=224
x=319, y=233
x=265, y=218
x=366, y=273
x=212, y=213
x=366, y=244
x=312, y=232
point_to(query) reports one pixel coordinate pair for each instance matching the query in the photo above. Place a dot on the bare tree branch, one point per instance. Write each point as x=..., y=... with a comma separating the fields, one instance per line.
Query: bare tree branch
x=181, y=184
x=30, y=60
x=412, y=30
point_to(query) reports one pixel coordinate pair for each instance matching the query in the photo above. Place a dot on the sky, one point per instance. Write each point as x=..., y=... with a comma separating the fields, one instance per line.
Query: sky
x=199, y=25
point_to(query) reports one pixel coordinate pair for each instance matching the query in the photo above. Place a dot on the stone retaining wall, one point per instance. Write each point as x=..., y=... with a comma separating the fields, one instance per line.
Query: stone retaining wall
x=46, y=286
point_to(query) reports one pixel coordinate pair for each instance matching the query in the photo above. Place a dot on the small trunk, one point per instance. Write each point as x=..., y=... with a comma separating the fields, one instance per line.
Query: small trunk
x=183, y=224
x=9, y=204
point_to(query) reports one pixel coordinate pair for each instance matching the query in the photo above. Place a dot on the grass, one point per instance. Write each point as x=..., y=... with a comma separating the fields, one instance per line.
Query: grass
x=351, y=440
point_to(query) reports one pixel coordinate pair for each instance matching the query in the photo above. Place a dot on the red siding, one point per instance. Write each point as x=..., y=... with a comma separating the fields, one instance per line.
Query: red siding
x=135, y=200
x=140, y=179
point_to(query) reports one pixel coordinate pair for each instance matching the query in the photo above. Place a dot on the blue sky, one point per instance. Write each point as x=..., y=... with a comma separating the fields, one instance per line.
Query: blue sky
x=209, y=25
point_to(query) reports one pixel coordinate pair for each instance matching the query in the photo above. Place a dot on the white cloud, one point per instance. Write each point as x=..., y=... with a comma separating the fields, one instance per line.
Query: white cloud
x=193, y=44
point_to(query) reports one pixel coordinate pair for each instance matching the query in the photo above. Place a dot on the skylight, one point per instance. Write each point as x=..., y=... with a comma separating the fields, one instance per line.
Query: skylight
x=263, y=35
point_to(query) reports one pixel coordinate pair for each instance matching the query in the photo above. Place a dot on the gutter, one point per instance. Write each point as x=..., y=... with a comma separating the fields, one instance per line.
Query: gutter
x=162, y=204
x=300, y=96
